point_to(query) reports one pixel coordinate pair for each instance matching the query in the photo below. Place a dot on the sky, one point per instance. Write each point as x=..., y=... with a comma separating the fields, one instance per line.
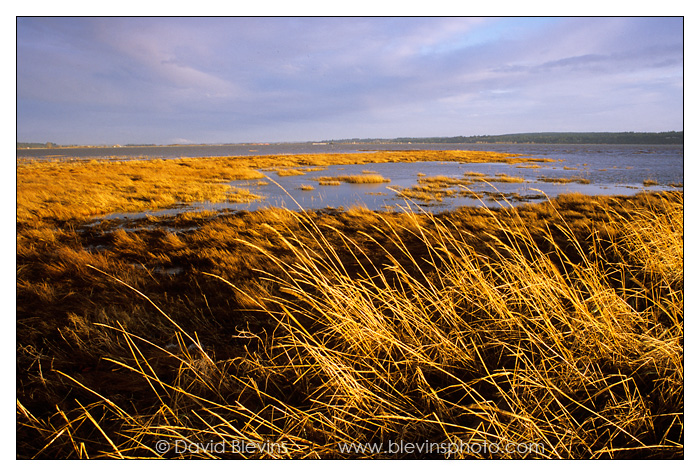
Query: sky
x=180, y=80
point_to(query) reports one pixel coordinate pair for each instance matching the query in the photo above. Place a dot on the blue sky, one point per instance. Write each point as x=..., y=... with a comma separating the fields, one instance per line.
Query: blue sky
x=213, y=80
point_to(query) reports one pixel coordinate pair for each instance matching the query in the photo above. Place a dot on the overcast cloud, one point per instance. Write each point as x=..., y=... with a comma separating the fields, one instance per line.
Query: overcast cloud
x=212, y=80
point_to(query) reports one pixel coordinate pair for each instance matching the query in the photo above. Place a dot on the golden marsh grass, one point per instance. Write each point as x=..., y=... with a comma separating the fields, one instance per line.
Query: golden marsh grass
x=556, y=326
x=505, y=178
x=359, y=179
x=63, y=190
x=290, y=172
x=564, y=180
x=436, y=188
x=79, y=190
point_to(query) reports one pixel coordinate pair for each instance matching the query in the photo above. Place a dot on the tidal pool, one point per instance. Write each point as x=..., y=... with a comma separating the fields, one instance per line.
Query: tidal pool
x=590, y=172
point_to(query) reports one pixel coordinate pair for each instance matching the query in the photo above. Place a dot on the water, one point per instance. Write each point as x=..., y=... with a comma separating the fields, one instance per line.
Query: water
x=605, y=179
x=610, y=169
x=177, y=151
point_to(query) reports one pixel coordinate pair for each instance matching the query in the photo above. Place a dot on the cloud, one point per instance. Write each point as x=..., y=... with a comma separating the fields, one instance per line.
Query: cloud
x=223, y=78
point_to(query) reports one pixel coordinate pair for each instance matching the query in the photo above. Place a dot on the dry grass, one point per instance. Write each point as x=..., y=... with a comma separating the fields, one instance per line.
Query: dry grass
x=73, y=190
x=357, y=179
x=505, y=178
x=441, y=181
x=564, y=180
x=290, y=172
x=69, y=191
x=313, y=169
x=557, y=327
x=436, y=188
x=423, y=195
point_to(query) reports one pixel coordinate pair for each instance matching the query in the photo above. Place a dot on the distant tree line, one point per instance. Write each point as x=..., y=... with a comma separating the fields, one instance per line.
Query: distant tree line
x=671, y=137
x=36, y=145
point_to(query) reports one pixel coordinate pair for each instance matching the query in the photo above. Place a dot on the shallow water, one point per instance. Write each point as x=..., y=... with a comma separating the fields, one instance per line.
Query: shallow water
x=611, y=170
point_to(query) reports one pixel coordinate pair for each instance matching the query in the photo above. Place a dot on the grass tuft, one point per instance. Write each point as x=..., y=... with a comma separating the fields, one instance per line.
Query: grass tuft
x=363, y=178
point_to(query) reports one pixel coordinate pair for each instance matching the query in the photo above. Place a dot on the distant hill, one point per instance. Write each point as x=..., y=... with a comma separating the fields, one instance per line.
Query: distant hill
x=672, y=137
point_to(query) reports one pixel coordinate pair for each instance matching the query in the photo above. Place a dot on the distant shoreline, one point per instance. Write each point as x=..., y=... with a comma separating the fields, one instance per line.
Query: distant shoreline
x=544, y=138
